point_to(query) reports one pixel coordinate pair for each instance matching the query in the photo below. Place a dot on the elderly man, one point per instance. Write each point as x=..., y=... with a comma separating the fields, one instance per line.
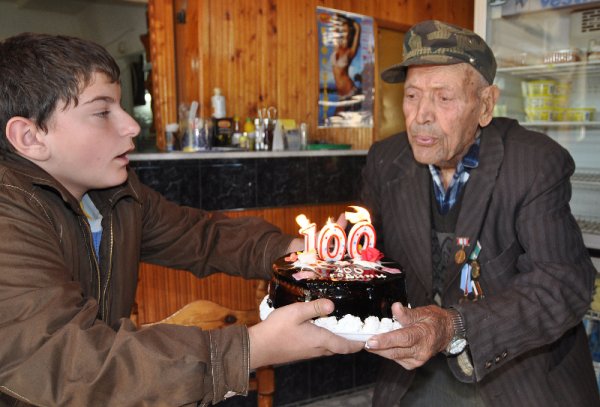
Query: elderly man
x=476, y=209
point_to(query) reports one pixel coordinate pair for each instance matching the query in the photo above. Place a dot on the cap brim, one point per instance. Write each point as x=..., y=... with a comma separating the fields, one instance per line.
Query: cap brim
x=394, y=74
x=397, y=73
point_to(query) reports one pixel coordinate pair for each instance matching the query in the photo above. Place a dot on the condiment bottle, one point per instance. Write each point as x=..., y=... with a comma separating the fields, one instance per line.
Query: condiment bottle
x=249, y=132
x=237, y=132
x=218, y=104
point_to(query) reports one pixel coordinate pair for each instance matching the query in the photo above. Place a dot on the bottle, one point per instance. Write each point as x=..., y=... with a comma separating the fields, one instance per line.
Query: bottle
x=278, y=137
x=251, y=141
x=199, y=140
x=237, y=132
x=249, y=130
x=259, y=135
x=244, y=141
x=218, y=104
x=303, y=136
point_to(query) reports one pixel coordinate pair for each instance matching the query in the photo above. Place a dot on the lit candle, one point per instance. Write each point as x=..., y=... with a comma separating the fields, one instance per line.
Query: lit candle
x=331, y=242
x=309, y=230
x=362, y=230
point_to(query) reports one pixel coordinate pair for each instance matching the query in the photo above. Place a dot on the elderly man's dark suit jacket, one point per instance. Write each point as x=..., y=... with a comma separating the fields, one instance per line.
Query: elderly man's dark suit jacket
x=526, y=341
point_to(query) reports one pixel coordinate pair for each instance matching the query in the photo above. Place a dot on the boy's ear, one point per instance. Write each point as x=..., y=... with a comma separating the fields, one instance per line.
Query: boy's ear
x=26, y=138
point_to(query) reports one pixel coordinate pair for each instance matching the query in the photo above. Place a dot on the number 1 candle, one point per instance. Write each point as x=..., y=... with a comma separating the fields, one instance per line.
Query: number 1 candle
x=309, y=230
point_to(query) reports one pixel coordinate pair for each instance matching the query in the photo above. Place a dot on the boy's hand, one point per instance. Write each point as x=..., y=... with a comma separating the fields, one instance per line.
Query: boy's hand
x=296, y=245
x=288, y=335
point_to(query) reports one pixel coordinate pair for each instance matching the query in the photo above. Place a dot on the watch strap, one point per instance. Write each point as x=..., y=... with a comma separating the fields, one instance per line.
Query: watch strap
x=458, y=323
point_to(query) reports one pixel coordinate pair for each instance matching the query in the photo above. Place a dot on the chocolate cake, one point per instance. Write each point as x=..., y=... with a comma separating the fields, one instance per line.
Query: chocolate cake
x=359, y=288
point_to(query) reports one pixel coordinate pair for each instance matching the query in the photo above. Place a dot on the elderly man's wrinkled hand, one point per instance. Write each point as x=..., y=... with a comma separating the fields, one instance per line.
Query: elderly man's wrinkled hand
x=425, y=332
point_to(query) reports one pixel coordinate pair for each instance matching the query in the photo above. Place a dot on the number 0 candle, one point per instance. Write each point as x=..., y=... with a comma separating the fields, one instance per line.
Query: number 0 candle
x=362, y=230
x=331, y=242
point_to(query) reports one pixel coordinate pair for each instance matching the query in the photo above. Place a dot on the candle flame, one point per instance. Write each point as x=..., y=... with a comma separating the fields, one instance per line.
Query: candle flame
x=360, y=214
x=302, y=220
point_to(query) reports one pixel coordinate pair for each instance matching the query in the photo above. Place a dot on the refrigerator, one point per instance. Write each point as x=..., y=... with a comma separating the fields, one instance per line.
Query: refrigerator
x=548, y=55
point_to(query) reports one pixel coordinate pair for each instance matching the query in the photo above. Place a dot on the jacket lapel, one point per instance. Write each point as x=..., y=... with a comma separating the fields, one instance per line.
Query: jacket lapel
x=410, y=193
x=476, y=199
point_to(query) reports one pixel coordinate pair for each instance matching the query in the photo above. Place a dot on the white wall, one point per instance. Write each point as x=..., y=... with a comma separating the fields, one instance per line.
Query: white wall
x=116, y=26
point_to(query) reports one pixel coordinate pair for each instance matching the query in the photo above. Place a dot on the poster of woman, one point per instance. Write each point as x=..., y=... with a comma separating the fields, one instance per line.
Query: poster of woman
x=346, y=68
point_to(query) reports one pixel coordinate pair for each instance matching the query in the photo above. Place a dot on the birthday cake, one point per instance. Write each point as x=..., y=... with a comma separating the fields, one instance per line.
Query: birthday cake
x=347, y=270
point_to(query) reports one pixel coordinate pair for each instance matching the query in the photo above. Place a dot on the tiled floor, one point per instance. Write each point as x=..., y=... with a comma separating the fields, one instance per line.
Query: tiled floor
x=360, y=398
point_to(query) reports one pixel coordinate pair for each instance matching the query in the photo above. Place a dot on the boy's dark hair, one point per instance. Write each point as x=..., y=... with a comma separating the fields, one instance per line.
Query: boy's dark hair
x=37, y=71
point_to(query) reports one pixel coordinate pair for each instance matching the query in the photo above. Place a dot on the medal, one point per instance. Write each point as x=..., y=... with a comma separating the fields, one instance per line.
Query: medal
x=475, y=269
x=470, y=272
x=460, y=256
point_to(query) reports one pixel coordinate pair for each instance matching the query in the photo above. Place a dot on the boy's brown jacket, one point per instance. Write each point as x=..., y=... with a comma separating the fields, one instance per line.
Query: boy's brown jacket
x=66, y=339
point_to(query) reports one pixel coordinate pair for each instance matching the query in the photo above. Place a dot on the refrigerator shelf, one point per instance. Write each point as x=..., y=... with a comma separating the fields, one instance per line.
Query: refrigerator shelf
x=586, y=178
x=589, y=225
x=546, y=124
x=540, y=71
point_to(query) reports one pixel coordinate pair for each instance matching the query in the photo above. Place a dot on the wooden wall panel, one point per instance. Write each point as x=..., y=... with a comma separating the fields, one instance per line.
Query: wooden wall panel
x=162, y=56
x=187, y=50
x=162, y=291
x=264, y=52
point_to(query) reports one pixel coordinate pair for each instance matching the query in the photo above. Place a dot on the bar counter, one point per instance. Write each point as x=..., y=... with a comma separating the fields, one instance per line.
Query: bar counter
x=243, y=180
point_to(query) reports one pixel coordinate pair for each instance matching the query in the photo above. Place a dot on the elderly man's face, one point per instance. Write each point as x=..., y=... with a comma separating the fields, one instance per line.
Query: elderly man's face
x=443, y=107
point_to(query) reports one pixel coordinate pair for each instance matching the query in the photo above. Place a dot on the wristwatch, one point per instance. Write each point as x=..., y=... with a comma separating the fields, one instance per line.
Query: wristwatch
x=459, y=341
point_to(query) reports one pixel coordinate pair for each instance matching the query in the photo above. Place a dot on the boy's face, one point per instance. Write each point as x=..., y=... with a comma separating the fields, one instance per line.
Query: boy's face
x=89, y=142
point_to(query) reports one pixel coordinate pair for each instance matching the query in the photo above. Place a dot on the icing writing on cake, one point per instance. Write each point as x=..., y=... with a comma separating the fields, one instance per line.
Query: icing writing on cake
x=310, y=267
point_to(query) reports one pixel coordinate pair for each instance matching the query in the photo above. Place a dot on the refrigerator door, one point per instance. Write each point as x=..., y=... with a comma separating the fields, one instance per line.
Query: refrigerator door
x=548, y=54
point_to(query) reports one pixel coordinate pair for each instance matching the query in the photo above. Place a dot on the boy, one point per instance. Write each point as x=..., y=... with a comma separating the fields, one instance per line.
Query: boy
x=75, y=222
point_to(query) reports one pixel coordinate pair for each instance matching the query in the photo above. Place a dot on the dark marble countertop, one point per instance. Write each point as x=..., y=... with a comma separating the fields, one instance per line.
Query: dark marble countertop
x=237, y=154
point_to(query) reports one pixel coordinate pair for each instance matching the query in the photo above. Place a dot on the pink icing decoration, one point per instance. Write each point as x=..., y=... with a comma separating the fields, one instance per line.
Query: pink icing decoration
x=302, y=275
x=390, y=270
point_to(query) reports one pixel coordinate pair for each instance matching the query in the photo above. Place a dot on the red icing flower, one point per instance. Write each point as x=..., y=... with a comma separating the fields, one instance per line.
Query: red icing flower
x=371, y=254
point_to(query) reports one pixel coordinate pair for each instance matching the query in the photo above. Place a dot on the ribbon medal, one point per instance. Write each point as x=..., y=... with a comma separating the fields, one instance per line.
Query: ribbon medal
x=461, y=255
x=471, y=270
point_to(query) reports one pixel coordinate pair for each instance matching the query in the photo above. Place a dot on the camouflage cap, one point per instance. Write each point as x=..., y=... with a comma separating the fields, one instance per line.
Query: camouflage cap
x=433, y=42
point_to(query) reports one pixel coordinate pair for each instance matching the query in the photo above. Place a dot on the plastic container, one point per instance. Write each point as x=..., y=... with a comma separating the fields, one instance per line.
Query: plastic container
x=540, y=102
x=543, y=115
x=171, y=135
x=541, y=87
x=562, y=89
x=579, y=114
x=563, y=55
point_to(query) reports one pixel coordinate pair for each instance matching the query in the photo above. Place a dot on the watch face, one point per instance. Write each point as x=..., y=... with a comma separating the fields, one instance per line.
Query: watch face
x=456, y=346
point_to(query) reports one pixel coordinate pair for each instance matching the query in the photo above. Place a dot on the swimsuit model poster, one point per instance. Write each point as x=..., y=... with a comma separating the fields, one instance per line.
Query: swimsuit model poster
x=346, y=69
